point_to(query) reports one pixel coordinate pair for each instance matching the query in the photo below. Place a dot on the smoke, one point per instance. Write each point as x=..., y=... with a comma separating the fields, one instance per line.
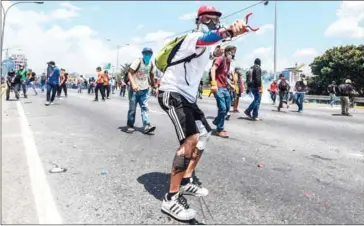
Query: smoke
x=267, y=79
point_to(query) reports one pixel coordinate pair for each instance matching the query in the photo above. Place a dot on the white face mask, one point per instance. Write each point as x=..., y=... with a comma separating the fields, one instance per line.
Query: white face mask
x=203, y=28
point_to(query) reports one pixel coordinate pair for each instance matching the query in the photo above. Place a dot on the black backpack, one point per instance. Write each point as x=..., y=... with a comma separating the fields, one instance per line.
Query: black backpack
x=126, y=77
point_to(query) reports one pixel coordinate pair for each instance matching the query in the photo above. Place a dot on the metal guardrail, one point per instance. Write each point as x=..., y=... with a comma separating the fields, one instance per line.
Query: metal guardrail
x=327, y=98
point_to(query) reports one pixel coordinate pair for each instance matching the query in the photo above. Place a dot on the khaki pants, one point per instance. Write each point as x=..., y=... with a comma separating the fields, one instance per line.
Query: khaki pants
x=345, y=104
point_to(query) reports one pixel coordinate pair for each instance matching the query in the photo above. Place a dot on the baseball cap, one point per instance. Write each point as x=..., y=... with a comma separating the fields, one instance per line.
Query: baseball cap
x=51, y=62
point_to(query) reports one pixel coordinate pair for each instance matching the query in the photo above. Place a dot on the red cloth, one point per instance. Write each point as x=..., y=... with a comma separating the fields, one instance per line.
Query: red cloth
x=223, y=67
x=273, y=87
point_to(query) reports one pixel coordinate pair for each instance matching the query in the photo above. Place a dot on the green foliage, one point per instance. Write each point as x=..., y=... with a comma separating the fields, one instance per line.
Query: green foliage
x=124, y=70
x=338, y=64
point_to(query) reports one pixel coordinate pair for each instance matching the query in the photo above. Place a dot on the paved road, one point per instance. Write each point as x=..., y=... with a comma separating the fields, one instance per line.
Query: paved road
x=312, y=165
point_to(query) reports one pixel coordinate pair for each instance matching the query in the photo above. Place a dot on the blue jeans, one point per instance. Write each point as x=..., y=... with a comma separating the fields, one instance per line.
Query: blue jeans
x=141, y=97
x=299, y=100
x=254, y=106
x=51, y=88
x=332, y=99
x=223, y=100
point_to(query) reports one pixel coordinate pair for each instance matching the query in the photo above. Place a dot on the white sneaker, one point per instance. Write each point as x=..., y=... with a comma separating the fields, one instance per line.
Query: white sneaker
x=194, y=189
x=47, y=103
x=178, y=208
x=52, y=103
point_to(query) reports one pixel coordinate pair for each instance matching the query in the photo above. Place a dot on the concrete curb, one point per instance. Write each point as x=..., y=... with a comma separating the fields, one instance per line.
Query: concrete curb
x=206, y=92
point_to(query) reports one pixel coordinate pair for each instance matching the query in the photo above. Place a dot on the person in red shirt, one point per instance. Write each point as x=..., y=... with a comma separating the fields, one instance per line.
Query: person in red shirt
x=221, y=91
x=273, y=91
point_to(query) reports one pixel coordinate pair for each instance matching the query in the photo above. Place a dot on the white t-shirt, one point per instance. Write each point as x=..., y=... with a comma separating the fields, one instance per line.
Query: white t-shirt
x=174, y=78
x=142, y=76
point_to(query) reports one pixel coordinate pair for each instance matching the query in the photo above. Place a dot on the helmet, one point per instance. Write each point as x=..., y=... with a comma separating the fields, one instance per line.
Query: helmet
x=208, y=10
x=348, y=81
x=147, y=50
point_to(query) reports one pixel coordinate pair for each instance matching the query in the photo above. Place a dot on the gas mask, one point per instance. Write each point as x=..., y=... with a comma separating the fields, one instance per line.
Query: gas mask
x=204, y=28
x=207, y=24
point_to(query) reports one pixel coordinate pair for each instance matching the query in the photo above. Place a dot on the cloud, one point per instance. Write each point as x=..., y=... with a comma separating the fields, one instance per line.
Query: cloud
x=262, y=52
x=264, y=28
x=140, y=26
x=157, y=36
x=350, y=21
x=266, y=55
x=77, y=48
x=67, y=12
x=305, y=52
x=188, y=16
x=69, y=6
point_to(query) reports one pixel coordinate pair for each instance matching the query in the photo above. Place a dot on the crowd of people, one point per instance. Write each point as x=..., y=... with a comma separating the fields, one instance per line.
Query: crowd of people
x=182, y=62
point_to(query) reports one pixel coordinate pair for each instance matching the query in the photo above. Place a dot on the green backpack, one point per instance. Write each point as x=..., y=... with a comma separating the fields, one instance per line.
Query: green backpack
x=164, y=58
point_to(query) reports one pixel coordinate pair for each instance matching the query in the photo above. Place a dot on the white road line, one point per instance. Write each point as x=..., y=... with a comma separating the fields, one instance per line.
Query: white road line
x=44, y=202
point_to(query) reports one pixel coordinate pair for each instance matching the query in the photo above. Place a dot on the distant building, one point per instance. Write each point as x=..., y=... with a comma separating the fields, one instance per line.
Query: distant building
x=19, y=59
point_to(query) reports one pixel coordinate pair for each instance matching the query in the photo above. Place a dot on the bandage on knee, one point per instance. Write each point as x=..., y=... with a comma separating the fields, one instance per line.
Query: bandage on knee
x=180, y=163
x=197, y=153
x=204, y=136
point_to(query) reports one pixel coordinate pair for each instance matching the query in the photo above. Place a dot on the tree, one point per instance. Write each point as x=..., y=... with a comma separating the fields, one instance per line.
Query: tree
x=124, y=70
x=338, y=64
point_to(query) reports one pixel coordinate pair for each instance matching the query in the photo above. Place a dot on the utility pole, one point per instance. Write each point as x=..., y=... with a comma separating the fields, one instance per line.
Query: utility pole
x=117, y=59
x=275, y=40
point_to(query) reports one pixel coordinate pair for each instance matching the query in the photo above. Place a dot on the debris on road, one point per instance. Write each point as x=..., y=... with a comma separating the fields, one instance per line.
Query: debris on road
x=104, y=172
x=57, y=170
x=260, y=165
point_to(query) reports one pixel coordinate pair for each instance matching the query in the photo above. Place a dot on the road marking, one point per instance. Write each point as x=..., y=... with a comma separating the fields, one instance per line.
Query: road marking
x=46, y=208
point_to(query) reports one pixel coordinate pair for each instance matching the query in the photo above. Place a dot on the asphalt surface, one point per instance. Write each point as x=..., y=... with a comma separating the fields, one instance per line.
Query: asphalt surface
x=311, y=165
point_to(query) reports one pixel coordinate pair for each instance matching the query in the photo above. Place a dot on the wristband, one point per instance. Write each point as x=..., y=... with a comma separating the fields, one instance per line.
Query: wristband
x=213, y=83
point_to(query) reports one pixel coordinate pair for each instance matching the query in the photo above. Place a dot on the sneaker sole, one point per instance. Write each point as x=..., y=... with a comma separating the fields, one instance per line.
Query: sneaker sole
x=167, y=212
x=150, y=130
x=194, y=194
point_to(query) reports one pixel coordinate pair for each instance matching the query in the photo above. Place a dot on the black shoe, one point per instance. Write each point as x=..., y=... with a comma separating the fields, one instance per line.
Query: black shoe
x=130, y=129
x=149, y=129
x=96, y=99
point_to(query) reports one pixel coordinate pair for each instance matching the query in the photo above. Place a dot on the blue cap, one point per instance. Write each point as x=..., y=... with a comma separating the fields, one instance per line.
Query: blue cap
x=147, y=50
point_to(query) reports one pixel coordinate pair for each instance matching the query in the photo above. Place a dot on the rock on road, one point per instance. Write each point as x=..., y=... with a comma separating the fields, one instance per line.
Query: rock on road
x=311, y=170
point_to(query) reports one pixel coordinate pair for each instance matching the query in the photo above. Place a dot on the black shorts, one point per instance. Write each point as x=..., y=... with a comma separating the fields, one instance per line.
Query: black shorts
x=182, y=113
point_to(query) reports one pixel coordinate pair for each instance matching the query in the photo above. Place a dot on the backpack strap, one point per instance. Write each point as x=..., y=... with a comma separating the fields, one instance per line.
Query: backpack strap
x=188, y=59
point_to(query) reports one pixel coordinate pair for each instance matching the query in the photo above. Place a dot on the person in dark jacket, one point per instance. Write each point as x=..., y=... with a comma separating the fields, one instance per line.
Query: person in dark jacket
x=346, y=90
x=283, y=92
x=255, y=87
x=300, y=88
x=13, y=83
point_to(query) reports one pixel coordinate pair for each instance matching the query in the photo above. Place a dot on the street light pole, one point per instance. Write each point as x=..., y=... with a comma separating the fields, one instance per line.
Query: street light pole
x=275, y=40
x=5, y=12
x=117, y=56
